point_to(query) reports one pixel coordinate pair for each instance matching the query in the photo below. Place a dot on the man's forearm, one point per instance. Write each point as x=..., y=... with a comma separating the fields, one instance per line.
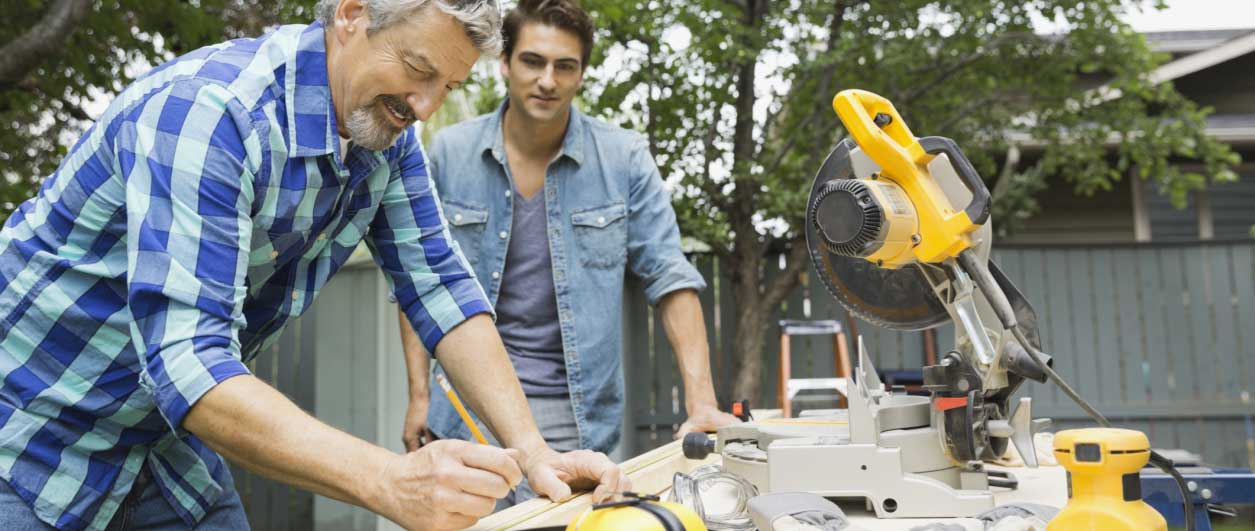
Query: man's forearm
x=682, y=319
x=417, y=360
x=253, y=425
x=475, y=359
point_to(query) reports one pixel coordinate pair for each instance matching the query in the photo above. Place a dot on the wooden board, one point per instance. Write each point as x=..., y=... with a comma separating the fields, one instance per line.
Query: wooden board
x=651, y=473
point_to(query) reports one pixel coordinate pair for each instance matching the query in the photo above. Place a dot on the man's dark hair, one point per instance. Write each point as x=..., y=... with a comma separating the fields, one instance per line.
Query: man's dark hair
x=565, y=15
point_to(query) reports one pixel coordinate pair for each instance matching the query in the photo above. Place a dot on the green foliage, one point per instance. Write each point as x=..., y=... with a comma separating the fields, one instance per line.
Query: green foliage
x=44, y=113
x=972, y=70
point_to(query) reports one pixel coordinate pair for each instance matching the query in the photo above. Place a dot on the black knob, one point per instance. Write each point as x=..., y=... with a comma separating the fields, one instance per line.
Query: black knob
x=698, y=446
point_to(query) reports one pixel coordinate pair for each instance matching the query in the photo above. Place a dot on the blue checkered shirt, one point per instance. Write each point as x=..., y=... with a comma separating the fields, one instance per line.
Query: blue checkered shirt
x=202, y=212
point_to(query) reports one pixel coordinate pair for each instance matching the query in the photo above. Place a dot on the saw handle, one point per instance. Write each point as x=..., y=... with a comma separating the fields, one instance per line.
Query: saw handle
x=978, y=208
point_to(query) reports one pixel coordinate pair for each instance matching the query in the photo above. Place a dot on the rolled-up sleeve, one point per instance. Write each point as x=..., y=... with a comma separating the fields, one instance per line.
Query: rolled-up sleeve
x=184, y=153
x=432, y=281
x=654, y=251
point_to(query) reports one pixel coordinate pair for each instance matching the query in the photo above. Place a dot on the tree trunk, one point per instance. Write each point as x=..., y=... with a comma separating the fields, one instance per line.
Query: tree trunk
x=25, y=53
x=751, y=321
x=756, y=306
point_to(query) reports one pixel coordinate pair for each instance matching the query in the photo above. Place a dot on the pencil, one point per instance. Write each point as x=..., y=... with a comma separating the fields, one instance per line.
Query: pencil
x=466, y=417
x=457, y=404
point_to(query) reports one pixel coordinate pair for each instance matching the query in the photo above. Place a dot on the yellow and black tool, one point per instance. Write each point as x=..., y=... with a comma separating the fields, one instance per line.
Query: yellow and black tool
x=1104, y=488
x=638, y=513
x=914, y=217
x=897, y=227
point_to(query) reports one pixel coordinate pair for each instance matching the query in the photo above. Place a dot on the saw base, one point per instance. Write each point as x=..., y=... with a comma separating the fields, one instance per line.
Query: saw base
x=897, y=482
x=886, y=449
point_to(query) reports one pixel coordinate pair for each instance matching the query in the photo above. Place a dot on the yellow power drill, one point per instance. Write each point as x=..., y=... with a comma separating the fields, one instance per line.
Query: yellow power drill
x=1104, y=488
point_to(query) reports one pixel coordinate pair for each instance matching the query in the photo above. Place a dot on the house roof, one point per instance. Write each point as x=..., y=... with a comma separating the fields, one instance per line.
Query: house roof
x=1236, y=45
x=1193, y=41
x=1212, y=47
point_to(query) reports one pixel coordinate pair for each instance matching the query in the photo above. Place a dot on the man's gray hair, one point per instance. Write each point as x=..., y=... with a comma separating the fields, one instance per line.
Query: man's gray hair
x=481, y=18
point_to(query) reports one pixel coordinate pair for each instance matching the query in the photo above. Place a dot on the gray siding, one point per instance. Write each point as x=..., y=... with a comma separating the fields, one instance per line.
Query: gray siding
x=1167, y=223
x=1233, y=206
x=1064, y=217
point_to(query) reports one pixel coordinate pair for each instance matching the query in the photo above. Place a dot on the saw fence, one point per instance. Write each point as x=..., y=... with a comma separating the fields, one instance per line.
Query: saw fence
x=1158, y=337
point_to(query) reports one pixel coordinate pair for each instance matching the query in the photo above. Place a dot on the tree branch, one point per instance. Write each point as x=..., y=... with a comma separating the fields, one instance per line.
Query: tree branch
x=981, y=52
x=25, y=53
x=829, y=76
x=967, y=110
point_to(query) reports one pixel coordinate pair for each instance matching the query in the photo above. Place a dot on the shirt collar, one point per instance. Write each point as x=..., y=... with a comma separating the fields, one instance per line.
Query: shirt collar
x=572, y=141
x=312, y=129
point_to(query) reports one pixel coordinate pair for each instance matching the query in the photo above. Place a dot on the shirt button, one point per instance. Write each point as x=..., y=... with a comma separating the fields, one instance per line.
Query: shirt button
x=295, y=295
x=457, y=217
x=507, y=193
x=322, y=236
x=496, y=275
x=601, y=220
x=274, y=254
x=503, y=235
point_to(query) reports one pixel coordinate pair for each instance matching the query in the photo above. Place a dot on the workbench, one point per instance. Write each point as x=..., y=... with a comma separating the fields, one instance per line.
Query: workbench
x=651, y=473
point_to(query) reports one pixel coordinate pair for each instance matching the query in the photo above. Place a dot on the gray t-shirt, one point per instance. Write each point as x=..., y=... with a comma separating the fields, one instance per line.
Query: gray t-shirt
x=527, y=306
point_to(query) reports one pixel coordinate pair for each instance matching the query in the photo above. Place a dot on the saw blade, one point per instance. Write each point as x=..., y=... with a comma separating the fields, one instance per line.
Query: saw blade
x=899, y=299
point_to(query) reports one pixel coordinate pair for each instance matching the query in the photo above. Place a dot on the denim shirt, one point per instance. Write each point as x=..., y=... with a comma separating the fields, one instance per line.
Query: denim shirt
x=608, y=213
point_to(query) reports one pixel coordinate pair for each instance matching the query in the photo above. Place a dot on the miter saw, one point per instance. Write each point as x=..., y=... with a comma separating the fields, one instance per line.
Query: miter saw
x=897, y=230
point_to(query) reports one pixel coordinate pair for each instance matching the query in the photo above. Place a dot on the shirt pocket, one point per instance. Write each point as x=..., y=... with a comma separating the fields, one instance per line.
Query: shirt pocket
x=601, y=235
x=269, y=252
x=467, y=223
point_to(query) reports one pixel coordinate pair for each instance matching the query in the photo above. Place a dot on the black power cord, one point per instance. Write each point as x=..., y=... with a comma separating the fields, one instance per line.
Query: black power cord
x=1157, y=459
x=1001, y=306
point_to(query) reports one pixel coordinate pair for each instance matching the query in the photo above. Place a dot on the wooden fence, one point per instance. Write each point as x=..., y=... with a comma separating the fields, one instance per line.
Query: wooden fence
x=1159, y=337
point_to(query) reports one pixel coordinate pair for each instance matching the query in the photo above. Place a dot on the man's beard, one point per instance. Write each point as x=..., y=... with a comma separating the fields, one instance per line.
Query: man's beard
x=370, y=128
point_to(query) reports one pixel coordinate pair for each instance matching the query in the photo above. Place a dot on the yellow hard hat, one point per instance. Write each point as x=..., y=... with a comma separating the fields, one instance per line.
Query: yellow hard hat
x=638, y=513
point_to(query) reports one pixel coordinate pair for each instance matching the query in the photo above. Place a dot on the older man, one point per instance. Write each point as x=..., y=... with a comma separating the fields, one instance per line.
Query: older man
x=207, y=206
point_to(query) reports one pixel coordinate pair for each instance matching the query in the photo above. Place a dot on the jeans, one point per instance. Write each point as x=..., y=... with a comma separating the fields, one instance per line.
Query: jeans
x=556, y=421
x=144, y=509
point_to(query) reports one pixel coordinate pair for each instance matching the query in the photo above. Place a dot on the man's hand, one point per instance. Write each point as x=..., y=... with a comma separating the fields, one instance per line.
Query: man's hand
x=706, y=420
x=415, y=434
x=446, y=485
x=553, y=475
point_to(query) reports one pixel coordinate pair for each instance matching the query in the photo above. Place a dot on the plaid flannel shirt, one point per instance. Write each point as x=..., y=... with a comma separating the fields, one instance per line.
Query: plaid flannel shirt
x=205, y=208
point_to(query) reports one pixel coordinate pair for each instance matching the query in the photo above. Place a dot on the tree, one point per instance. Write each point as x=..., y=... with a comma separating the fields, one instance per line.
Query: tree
x=735, y=98
x=57, y=57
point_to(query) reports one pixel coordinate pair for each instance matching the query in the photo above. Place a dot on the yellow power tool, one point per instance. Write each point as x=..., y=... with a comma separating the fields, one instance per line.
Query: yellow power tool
x=917, y=223
x=897, y=227
x=1104, y=488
